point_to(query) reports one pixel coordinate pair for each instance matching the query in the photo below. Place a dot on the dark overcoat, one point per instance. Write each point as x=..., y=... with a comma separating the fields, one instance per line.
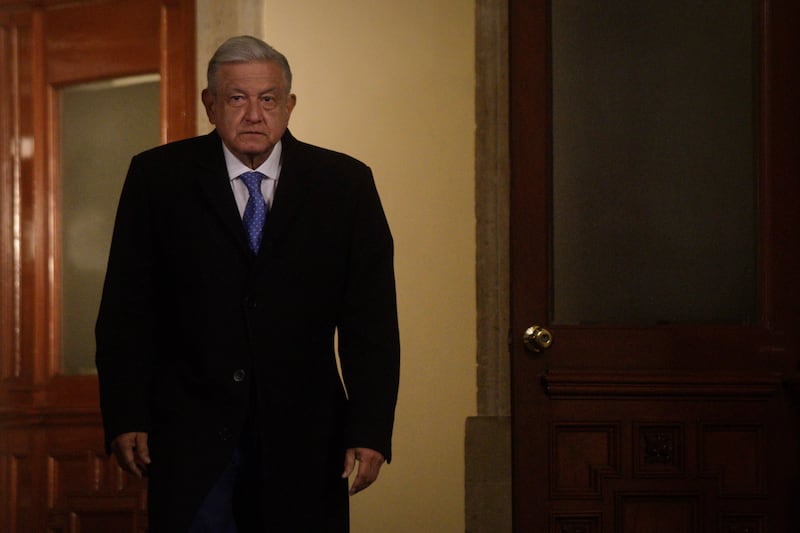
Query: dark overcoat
x=195, y=330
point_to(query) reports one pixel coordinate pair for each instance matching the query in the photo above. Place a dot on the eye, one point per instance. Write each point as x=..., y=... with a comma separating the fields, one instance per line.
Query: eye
x=236, y=99
x=269, y=102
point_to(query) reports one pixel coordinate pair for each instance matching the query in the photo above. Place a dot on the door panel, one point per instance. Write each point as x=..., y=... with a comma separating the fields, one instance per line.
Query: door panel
x=78, y=48
x=54, y=473
x=632, y=420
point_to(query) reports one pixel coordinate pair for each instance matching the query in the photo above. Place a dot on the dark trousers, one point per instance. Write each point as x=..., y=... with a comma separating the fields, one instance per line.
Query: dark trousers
x=231, y=506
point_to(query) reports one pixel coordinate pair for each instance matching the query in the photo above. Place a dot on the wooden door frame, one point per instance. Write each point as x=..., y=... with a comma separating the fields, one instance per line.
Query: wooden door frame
x=41, y=411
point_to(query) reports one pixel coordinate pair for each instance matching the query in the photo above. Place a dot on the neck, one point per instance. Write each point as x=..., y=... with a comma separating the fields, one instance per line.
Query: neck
x=254, y=161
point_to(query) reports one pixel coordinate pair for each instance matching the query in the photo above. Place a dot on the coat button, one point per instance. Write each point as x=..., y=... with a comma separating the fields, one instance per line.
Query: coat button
x=239, y=375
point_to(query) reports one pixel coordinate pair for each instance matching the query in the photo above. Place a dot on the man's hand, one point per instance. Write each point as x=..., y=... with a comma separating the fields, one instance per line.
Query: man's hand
x=369, y=465
x=131, y=452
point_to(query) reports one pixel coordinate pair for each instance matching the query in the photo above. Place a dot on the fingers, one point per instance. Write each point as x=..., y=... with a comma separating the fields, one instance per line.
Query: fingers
x=132, y=453
x=349, y=462
x=141, y=449
x=369, y=466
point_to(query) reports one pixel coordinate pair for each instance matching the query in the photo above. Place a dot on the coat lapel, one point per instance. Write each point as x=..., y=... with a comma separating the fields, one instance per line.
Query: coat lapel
x=212, y=177
x=293, y=188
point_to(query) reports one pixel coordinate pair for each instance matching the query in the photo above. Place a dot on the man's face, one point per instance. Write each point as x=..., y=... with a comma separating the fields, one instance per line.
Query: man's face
x=250, y=108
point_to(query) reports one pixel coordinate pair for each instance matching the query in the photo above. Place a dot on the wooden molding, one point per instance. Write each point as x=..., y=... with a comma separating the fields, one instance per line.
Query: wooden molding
x=639, y=384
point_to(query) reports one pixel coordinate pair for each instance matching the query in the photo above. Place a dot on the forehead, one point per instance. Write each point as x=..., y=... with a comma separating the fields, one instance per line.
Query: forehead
x=256, y=75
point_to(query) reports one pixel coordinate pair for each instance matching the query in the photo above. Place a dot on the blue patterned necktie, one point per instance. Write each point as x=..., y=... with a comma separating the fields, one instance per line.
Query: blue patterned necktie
x=255, y=212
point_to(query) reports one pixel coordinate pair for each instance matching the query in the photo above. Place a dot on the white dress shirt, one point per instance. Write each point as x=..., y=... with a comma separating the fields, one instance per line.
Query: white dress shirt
x=271, y=168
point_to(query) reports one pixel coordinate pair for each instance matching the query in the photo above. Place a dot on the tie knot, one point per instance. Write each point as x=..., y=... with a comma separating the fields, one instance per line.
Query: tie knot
x=252, y=181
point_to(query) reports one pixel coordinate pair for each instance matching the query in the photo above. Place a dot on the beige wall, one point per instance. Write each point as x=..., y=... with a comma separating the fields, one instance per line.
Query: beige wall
x=393, y=84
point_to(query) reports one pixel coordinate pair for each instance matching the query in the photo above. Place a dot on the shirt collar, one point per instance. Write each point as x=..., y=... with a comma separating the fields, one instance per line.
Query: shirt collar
x=270, y=168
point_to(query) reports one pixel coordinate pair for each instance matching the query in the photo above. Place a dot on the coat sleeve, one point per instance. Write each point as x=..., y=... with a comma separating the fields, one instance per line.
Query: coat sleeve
x=369, y=345
x=124, y=328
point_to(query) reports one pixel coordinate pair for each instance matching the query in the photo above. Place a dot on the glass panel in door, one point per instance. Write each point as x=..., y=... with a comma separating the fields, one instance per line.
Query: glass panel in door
x=654, y=217
x=102, y=125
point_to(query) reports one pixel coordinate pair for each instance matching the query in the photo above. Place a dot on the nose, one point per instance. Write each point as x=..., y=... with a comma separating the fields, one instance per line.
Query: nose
x=253, y=111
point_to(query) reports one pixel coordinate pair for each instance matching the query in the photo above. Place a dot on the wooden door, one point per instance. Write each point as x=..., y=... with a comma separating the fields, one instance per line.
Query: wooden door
x=54, y=473
x=632, y=421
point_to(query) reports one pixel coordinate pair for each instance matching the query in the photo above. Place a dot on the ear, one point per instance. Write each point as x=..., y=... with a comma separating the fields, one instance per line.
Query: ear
x=208, y=103
x=291, y=102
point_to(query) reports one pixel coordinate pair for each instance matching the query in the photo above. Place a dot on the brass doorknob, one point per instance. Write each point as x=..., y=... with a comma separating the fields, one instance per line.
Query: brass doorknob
x=537, y=339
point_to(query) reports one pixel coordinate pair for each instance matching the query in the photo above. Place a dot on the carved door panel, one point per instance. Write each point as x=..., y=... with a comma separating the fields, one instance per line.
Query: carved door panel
x=655, y=266
x=78, y=79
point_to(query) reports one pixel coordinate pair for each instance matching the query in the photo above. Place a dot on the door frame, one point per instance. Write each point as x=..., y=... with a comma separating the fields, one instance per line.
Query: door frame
x=488, y=434
x=53, y=466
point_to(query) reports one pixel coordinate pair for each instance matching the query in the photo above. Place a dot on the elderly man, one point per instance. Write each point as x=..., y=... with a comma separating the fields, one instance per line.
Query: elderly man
x=236, y=258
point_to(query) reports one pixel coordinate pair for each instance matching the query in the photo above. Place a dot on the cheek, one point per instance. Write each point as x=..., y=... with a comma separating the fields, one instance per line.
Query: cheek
x=278, y=120
x=231, y=117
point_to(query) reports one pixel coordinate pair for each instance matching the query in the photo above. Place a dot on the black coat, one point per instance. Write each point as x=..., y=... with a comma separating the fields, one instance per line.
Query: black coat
x=193, y=326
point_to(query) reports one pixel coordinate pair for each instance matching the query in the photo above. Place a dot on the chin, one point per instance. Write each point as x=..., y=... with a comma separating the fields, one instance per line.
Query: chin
x=255, y=150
